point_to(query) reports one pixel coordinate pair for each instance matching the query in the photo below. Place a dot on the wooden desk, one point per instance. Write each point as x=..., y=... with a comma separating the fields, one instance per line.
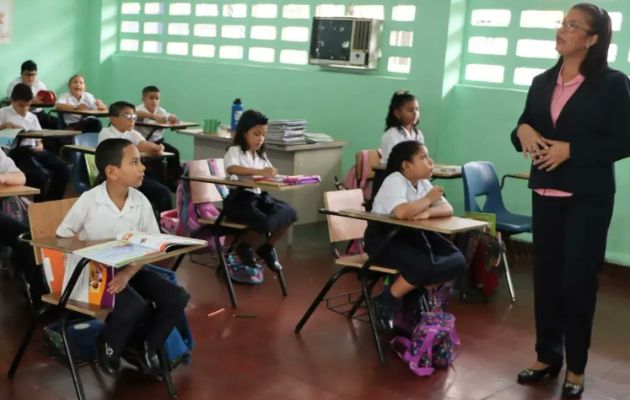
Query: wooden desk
x=323, y=159
x=47, y=133
x=515, y=175
x=92, y=150
x=87, y=113
x=164, y=125
x=10, y=191
x=440, y=171
x=249, y=183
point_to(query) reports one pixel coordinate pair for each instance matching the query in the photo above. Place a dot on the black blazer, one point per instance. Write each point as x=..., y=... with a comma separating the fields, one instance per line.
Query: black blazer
x=596, y=123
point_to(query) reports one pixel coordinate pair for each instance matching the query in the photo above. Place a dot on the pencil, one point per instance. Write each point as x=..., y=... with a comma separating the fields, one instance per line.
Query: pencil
x=219, y=311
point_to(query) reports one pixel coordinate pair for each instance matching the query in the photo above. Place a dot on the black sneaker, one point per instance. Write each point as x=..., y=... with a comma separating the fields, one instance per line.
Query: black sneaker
x=150, y=359
x=245, y=254
x=108, y=360
x=383, y=314
x=268, y=253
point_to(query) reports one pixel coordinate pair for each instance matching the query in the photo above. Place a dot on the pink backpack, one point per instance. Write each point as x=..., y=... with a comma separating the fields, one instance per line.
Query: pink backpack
x=359, y=178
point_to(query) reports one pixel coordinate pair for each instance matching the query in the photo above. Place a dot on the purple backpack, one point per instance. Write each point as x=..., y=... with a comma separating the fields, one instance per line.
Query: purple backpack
x=432, y=344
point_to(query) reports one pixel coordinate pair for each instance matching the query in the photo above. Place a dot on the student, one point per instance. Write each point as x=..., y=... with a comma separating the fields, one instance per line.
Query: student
x=28, y=75
x=77, y=99
x=44, y=170
x=401, y=123
x=261, y=212
x=22, y=257
x=112, y=207
x=150, y=111
x=122, y=116
x=407, y=194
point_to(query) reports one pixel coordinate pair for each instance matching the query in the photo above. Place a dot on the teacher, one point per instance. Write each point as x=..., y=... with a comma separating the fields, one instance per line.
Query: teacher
x=575, y=125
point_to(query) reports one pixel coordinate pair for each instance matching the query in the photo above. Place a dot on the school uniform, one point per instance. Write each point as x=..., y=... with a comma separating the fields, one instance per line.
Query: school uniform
x=158, y=194
x=94, y=216
x=43, y=169
x=395, y=135
x=80, y=122
x=173, y=164
x=408, y=248
x=252, y=207
x=22, y=257
x=46, y=120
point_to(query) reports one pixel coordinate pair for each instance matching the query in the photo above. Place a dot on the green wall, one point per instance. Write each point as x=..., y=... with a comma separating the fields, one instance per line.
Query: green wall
x=460, y=122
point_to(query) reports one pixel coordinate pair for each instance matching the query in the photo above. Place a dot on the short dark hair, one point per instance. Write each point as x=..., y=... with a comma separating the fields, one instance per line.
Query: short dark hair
x=248, y=120
x=28, y=65
x=599, y=21
x=150, y=89
x=116, y=108
x=400, y=153
x=22, y=92
x=109, y=152
x=399, y=99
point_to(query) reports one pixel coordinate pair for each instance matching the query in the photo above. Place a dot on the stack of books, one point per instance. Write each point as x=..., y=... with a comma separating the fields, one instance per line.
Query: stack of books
x=286, y=131
x=312, y=137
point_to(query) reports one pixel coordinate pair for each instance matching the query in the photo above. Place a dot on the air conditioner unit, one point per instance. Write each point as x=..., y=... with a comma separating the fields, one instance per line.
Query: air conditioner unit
x=345, y=42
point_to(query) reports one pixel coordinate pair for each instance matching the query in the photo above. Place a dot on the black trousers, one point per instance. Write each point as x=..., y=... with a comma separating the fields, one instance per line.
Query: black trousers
x=22, y=257
x=46, y=121
x=569, y=247
x=133, y=310
x=173, y=166
x=44, y=170
x=157, y=193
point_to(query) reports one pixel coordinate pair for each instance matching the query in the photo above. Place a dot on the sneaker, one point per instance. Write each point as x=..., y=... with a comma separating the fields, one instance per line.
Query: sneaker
x=384, y=314
x=249, y=275
x=108, y=360
x=245, y=254
x=268, y=253
x=150, y=359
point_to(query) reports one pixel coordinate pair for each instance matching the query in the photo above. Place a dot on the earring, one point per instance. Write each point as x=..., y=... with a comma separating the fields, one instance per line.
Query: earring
x=588, y=46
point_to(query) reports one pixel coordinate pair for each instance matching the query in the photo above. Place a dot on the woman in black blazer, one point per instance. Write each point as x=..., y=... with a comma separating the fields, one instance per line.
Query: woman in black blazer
x=575, y=125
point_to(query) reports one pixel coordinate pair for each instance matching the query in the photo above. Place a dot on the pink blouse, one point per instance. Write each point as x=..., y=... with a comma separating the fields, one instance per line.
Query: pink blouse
x=561, y=95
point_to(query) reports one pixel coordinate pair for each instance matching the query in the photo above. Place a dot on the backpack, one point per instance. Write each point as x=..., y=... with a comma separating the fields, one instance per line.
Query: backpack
x=432, y=343
x=482, y=252
x=360, y=174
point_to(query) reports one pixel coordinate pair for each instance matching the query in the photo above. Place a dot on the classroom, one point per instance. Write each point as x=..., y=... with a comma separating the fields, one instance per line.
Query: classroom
x=258, y=330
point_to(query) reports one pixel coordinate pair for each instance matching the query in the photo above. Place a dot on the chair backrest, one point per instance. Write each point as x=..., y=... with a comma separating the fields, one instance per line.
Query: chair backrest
x=201, y=192
x=373, y=159
x=92, y=171
x=89, y=139
x=480, y=179
x=339, y=228
x=80, y=169
x=44, y=219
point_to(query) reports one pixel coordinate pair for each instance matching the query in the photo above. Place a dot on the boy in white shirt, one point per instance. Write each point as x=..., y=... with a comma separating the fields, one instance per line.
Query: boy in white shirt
x=112, y=207
x=150, y=111
x=44, y=170
x=28, y=75
x=122, y=116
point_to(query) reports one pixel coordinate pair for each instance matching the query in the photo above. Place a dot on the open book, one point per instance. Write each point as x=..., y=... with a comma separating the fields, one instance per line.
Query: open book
x=282, y=180
x=7, y=136
x=131, y=246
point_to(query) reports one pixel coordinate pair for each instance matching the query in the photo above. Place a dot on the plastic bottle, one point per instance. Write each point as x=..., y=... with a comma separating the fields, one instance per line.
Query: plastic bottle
x=237, y=110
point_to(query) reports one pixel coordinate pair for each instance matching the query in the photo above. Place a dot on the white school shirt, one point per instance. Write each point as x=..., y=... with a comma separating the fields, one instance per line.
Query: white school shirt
x=396, y=190
x=7, y=164
x=35, y=88
x=86, y=98
x=110, y=132
x=94, y=216
x=395, y=135
x=145, y=130
x=28, y=123
x=236, y=156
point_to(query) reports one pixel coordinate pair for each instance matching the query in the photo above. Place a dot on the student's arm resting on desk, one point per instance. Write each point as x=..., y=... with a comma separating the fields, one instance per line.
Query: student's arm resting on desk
x=431, y=205
x=144, y=146
x=16, y=178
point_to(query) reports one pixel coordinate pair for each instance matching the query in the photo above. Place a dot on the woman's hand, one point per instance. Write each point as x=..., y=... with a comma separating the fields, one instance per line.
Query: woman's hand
x=553, y=155
x=119, y=282
x=531, y=141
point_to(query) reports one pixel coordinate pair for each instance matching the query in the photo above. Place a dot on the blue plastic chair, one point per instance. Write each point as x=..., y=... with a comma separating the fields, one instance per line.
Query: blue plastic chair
x=480, y=179
x=79, y=173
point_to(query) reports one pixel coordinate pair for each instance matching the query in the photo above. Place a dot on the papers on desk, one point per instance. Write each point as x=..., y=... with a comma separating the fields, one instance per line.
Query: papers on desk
x=312, y=137
x=447, y=169
x=286, y=131
x=282, y=180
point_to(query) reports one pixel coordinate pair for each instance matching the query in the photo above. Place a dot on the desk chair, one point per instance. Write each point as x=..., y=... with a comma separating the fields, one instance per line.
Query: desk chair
x=219, y=227
x=44, y=218
x=79, y=173
x=341, y=230
x=480, y=179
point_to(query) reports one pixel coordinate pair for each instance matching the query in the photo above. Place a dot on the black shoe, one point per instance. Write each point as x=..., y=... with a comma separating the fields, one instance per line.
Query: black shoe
x=268, y=253
x=108, y=360
x=535, y=375
x=572, y=390
x=150, y=359
x=384, y=315
x=245, y=254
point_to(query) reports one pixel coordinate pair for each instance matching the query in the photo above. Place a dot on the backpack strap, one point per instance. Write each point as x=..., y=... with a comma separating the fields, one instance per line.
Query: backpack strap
x=365, y=167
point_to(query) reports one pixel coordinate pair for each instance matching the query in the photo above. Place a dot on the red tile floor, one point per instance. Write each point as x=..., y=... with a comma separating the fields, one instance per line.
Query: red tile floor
x=261, y=357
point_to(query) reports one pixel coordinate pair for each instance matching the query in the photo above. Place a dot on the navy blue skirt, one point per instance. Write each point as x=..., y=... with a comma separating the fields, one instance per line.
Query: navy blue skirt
x=259, y=211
